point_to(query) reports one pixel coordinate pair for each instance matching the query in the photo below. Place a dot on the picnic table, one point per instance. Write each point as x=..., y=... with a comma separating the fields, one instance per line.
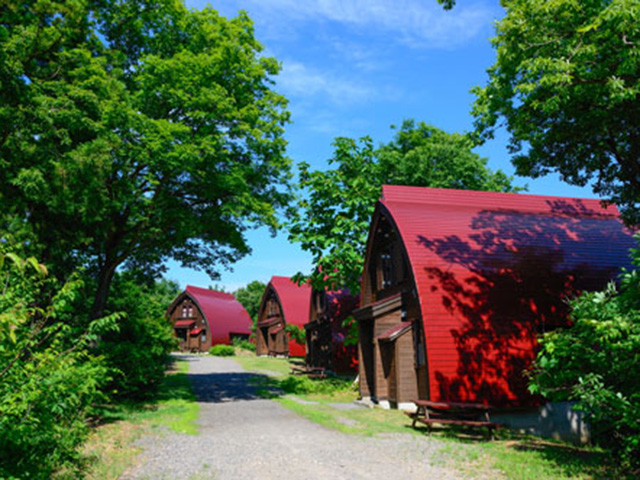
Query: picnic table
x=453, y=413
x=311, y=372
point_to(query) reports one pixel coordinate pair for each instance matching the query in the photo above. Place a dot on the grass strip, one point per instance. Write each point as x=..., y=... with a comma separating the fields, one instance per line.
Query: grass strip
x=110, y=449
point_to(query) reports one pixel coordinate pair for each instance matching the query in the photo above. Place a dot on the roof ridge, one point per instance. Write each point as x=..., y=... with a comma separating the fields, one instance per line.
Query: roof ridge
x=506, y=201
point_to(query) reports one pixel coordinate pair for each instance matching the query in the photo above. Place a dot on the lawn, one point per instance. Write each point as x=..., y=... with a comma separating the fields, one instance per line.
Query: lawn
x=110, y=450
x=519, y=457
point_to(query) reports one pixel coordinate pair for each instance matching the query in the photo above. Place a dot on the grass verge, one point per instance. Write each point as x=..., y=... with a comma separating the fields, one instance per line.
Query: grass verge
x=518, y=457
x=110, y=450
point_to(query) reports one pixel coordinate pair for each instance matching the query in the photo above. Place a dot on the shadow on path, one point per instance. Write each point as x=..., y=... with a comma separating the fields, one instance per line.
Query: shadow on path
x=225, y=387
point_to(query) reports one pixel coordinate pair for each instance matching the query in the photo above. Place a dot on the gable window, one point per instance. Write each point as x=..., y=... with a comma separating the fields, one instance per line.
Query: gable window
x=386, y=267
x=272, y=308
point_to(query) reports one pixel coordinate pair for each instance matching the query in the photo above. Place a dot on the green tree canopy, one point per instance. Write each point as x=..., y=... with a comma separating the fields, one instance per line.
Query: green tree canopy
x=332, y=214
x=136, y=131
x=250, y=297
x=566, y=85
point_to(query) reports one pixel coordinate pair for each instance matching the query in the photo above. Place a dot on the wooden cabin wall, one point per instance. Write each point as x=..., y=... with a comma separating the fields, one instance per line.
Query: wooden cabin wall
x=390, y=370
x=381, y=352
x=407, y=390
x=192, y=342
x=272, y=338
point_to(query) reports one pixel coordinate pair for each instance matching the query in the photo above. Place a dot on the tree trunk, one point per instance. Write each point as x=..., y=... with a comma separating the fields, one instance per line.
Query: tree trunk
x=105, y=276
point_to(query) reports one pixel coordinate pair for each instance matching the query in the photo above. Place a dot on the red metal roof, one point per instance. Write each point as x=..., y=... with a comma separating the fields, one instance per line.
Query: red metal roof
x=492, y=271
x=223, y=313
x=195, y=331
x=295, y=301
x=184, y=323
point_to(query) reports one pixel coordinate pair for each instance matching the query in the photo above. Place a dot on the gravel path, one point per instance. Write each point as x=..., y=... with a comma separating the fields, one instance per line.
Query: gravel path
x=243, y=436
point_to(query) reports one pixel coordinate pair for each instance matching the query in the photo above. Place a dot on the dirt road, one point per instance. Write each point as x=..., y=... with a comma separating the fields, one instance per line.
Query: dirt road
x=243, y=436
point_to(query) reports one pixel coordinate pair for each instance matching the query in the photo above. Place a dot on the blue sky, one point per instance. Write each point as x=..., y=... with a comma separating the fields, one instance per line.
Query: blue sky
x=353, y=68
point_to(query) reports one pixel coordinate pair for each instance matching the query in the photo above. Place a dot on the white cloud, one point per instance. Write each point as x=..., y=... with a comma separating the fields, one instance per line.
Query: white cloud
x=298, y=80
x=418, y=23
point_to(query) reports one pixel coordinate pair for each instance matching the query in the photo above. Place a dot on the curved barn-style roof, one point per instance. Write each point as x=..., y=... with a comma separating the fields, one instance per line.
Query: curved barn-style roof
x=224, y=314
x=295, y=301
x=487, y=266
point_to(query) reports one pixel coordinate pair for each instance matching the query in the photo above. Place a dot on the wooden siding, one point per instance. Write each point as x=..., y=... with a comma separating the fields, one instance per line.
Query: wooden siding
x=192, y=343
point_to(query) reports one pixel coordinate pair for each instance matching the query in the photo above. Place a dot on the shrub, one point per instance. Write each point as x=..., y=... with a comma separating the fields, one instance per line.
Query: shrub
x=296, y=333
x=48, y=376
x=138, y=353
x=304, y=385
x=244, y=344
x=223, y=351
x=595, y=363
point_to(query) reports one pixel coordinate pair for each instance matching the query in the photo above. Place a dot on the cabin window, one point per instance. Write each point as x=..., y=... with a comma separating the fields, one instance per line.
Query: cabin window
x=387, y=267
x=187, y=310
x=272, y=308
x=181, y=333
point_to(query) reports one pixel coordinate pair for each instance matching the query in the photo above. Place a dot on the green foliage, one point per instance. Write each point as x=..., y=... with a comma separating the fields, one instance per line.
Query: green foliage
x=566, y=85
x=244, y=344
x=350, y=326
x=447, y=4
x=250, y=298
x=596, y=363
x=222, y=350
x=299, y=384
x=138, y=353
x=333, y=212
x=48, y=377
x=296, y=333
x=137, y=131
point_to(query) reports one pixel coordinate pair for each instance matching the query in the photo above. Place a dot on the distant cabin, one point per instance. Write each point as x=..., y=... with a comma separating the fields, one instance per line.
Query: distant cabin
x=283, y=303
x=203, y=318
x=325, y=335
x=458, y=285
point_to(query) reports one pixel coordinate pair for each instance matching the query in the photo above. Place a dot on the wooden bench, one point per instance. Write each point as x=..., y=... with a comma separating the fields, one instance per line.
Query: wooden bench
x=453, y=413
x=311, y=372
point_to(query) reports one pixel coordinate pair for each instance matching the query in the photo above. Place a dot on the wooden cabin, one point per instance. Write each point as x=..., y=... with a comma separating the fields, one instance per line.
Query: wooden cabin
x=203, y=318
x=283, y=303
x=458, y=285
x=325, y=335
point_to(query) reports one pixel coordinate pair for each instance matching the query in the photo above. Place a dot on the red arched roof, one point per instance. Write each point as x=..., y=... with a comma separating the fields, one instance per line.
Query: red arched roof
x=224, y=314
x=295, y=301
x=493, y=270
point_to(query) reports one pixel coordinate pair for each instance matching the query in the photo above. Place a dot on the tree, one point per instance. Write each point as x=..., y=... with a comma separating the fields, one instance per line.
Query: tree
x=596, y=363
x=136, y=131
x=332, y=215
x=566, y=83
x=250, y=297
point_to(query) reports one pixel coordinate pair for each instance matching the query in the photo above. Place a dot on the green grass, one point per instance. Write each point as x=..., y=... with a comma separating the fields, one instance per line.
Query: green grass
x=268, y=365
x=110, y=449
x=517, y=457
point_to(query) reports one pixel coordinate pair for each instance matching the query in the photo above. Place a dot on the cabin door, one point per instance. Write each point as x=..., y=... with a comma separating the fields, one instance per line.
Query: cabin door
x=367, y=358
x=263, y=341
x=388, y=360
